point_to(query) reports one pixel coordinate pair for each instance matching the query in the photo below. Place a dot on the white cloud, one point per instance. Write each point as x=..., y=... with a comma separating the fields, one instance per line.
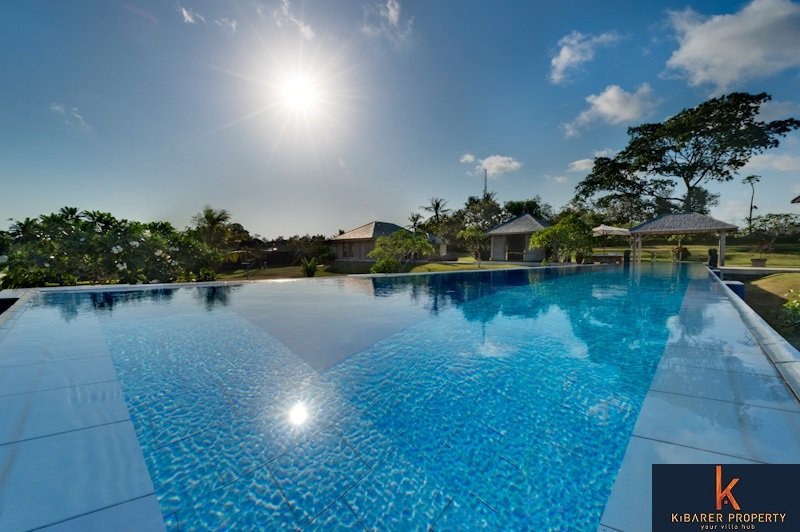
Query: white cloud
x=557, y=179
x=386, y=20
x=760, y=40
x=773, y=110
x=229, y=24
x=613, y=106
x=574, y=50
x=731, y=211
x=772, y=161
x=495, y=165
x=285, y=15
x=70, y=115
x=584, y=165
x=581, y=165
x=189, y=15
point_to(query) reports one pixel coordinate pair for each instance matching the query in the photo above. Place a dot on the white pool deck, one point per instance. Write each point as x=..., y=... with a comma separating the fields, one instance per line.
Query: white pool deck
x=69, y=458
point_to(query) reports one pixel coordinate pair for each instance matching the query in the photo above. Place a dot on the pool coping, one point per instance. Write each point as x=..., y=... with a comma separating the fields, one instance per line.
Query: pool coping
x=783, y=355
x=628, y=507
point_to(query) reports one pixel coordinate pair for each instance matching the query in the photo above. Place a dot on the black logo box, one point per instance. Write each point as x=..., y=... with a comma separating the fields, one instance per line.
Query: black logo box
x=685, y=497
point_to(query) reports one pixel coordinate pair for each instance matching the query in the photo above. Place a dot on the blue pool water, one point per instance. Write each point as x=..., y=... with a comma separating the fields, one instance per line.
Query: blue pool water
x=502, y=400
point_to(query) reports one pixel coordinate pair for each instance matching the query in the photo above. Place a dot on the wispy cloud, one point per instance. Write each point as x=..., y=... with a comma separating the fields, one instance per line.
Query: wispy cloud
x=385, y=20
x=773, y=161
x=557, y=179
x=585, y=165
x=581, y=165
x=613, y=106
x=70, y=115
x=725, y=50
x=495, y=165
x=773, y=110
x=574, y=50
x=228, y=24
x=285, y=16
x=189, y=15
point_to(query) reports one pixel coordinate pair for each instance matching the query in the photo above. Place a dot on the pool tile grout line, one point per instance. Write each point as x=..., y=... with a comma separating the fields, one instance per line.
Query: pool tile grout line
x=721, y=453
x=58, y=387
x=60, y=433
x=68, y=519
x=717, y=399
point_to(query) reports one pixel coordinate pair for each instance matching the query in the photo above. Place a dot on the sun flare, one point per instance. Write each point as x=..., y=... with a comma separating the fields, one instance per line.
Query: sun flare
x=299, y=94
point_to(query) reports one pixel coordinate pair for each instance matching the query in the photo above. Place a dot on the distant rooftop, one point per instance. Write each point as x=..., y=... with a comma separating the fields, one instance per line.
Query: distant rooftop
x=683, y=223
x=522, y=224
x=370, y=231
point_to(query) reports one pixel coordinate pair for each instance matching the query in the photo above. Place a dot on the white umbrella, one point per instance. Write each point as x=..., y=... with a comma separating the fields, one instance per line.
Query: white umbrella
x=604, y=230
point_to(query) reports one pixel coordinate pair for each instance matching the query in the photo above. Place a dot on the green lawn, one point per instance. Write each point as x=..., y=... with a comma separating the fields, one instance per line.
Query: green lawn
x=767, y=295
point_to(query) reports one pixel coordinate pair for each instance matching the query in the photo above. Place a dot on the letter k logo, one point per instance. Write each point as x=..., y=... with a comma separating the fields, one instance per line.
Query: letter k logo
x=726, y=493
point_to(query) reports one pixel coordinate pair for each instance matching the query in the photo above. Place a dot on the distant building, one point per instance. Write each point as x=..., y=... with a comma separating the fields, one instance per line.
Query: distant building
x=510, y=239
x=356, y=244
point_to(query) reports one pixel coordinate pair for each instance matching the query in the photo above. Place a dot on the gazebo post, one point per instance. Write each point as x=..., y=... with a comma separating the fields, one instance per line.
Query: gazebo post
x=722, y=248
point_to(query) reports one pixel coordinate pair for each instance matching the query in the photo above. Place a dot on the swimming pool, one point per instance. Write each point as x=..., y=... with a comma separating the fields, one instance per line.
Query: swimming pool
x=501, y=399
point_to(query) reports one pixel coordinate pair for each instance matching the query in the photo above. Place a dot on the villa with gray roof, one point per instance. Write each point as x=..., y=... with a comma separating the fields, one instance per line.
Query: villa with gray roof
x=357, y=244
x=510, y=239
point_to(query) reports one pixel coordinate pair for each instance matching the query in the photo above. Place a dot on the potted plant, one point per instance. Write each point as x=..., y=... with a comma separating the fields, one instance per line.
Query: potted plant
x=767, y=228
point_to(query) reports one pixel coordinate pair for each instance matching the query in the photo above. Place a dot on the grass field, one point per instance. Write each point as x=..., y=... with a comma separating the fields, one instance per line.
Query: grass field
x=767, y=295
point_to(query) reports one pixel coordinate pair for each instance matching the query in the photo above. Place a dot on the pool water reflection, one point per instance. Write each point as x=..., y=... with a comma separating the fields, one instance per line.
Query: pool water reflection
x=502, y=399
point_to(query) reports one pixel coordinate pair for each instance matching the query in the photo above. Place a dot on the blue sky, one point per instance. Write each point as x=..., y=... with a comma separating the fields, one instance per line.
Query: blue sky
x=308, y=117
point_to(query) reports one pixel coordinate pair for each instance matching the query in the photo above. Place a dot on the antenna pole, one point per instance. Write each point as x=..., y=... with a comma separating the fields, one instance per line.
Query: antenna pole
x=485, y=182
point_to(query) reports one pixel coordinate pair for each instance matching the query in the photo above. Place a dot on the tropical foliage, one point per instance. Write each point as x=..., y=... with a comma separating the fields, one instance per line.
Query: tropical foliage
x=571, y=235
x=72, y=246
x=475, y=240
x=394, y=251
x=770, y=227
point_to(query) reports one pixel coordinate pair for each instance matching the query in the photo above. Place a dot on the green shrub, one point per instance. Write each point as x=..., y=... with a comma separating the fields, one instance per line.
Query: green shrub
x=790, y=314
x=308, y=267
x=386, y=265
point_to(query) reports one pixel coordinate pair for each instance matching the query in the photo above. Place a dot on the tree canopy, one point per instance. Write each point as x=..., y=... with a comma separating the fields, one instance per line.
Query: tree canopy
x=710, y=142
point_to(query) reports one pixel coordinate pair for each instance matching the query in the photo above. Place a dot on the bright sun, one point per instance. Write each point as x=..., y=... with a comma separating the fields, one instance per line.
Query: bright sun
x=299, y=94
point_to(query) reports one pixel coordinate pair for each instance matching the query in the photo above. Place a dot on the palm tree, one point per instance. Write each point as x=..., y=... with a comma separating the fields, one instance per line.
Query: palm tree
x=25, y=230
x=415, y=219
x=436, y=208
x=211, y=226
x=751, y=180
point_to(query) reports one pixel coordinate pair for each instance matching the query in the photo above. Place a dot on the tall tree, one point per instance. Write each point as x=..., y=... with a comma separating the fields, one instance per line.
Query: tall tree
x=535, y=206
x=623, y=195
x=710, y=142
x=751, y=180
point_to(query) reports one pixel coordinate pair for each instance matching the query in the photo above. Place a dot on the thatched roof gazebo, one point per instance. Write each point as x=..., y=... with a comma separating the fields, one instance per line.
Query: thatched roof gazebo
x=687, y=223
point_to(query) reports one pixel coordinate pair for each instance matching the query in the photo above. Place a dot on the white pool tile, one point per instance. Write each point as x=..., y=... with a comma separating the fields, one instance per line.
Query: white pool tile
x=746, y=388
x=47, y=376
x=49, y=480
x=740, y=359
x=629, y=508
x=749, y=432
x=140, y=515
x=36, y=351
x=37, y=414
